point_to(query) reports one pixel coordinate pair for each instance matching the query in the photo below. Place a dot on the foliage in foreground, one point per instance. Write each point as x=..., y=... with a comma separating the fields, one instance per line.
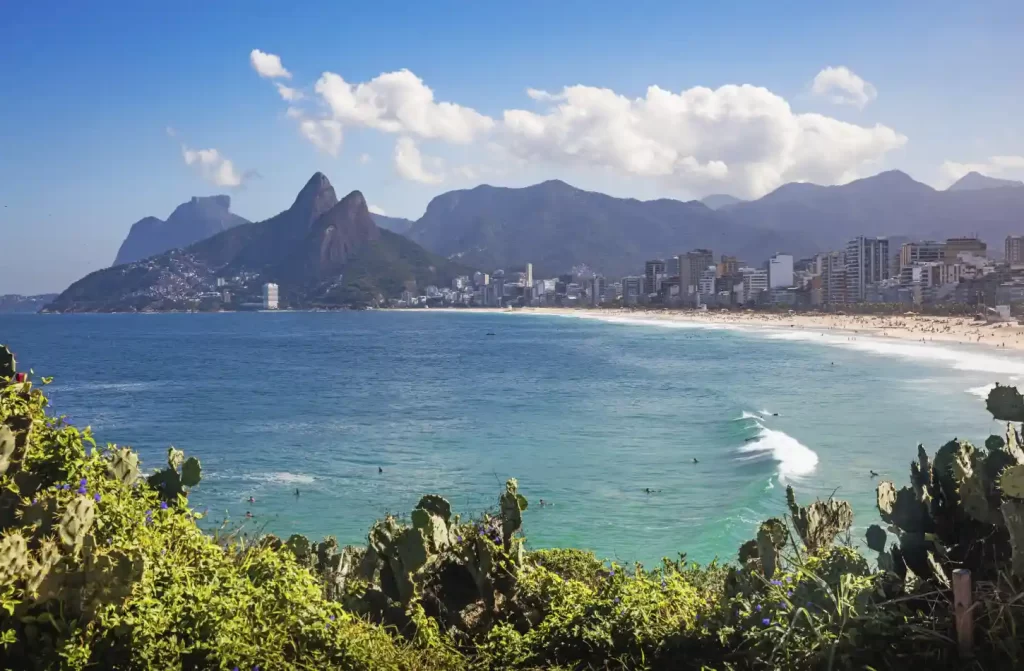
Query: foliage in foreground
x=103, y=567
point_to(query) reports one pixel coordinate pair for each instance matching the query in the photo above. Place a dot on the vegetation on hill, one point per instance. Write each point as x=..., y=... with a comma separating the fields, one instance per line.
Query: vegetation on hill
x=103, y=566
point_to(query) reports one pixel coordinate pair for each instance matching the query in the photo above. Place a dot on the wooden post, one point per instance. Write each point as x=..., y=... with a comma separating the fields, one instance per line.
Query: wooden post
x=963, y=601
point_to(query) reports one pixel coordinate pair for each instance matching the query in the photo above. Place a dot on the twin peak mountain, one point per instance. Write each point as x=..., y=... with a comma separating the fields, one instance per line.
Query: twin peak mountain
x=321, y=251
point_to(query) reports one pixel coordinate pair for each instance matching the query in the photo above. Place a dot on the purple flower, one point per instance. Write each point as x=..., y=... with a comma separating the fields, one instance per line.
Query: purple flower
x=458, y=539
x=782, y=604
x=616, y=599
x=766, y=622
x=788, y=579
x=611, y=573
x=82, y=482
x=777, y=583
x=82, y=490
x=35, y=500
x=789, y=593
x=331, y=618
x=66, y=487
x=163, y=505
x=96, y=496
x=758, y=608
x=235, y=669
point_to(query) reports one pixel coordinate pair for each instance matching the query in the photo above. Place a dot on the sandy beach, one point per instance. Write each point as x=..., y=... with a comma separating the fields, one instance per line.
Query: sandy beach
x=914, y=328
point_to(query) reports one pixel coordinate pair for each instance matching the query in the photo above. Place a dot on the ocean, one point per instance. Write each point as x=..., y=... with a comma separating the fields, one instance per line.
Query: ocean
x=588, y=414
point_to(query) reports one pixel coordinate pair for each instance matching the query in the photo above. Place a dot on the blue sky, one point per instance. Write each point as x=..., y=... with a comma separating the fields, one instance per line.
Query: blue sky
x=90, y=93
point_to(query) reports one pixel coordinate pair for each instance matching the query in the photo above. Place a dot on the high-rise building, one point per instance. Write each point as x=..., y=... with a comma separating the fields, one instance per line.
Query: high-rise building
x=632, y=289
x=1015, y=249
x=867, y=263
x=529, y=274
x=957, y=246
x=270, y=296
x=922, y=252
x=755, y=280
x=729, y=265
x=596, y=290
x=706, y=285
x=832, y=269
x=780, y=271
x=654, y=272
x=691, y=266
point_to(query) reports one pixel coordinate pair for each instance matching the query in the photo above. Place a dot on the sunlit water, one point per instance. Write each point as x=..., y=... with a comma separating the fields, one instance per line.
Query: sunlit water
x=587, y=414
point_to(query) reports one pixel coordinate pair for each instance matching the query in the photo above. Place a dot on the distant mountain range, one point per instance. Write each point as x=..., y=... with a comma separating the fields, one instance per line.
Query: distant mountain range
x=190, y=222
x=717, y=201
x=393, y=224
x=320, y=251
x=556, y=226
x=975, y=181
x=817, y=218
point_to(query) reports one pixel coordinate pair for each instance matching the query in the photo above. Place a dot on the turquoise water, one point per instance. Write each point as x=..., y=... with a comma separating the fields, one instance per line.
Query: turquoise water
x=586, y=414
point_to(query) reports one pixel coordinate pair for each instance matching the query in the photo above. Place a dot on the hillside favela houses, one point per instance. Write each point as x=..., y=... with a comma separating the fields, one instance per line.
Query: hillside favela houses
x=868, y=270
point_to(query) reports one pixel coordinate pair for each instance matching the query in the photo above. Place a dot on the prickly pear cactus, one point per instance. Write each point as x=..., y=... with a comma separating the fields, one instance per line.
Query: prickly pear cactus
x=14, y=557
x=436, y=505
x=8, y=366
x=1013, y=514
x=819, y=523
x=7, y=448
x=973, y=489
x=124, y=466
x=512, y=504
x=1005, y=404
x=180, y=475
x=876, y=537
x=76, y=522
x=1011, y=482
x=771, y=536
x=40, y=570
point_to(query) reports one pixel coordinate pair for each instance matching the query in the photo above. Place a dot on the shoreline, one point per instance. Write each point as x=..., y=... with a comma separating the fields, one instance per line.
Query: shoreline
x=911, y=329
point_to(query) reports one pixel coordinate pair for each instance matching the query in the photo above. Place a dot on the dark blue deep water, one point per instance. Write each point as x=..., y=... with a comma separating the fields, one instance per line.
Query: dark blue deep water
x=586, y=414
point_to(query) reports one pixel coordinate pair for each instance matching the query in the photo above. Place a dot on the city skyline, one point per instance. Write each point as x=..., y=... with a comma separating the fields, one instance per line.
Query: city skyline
x=248, y=110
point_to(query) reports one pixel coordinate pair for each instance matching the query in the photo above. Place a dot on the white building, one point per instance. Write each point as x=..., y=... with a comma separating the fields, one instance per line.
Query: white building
x=706, y=284
x=754, y=282
x=780, y=271
x=270, y=296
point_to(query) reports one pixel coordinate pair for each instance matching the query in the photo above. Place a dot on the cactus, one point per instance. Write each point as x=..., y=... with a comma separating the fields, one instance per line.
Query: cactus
x=180, y=475
x=8, y=366
x=14, y=557
x=819, y=523
x=771, y=536
x=973, y=490
x=7, y=448
x=76, y=522
x=1011, y=481
x=436, y=505
x=876, y=537
x=39, y=571
x=300, y=547
x=124, y=466
x=512, y=504
x=1013, y=514
x=1005, y=404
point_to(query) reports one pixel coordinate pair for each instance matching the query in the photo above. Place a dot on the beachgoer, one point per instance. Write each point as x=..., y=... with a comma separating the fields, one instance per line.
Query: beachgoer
x=296, y=491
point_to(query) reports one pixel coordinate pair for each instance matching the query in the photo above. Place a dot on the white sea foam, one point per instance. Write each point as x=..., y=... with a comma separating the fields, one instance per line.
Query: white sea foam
x=748, y=415
x=795, y=459
x=981, y=392
x=290, y=478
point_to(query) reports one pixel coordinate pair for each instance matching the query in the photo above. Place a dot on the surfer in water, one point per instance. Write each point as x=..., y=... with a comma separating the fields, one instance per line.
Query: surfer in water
x=695, y=460
x=873, y=474
x=296, y=491
x=380, y=470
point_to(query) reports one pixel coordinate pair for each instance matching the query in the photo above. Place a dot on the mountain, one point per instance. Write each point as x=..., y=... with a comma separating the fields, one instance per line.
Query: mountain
x=190, y=222
x=717, y=201
x=26, y=304
x=320, y=252
x=556, y=226
x=393, y=224
x=975, y=181
x=891, y=203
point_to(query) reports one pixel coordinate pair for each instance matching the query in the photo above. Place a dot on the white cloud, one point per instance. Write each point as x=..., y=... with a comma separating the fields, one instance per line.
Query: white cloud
x=742, y=138
x=399, y=102
x=1003, y=167
x=843, y=86
x=364, y=158
x=289, y=94
x=324, y=134
x=377, y=210
x=739, y=139
x=212, y=167
x=409, y=163
x=170, y=132
x=268, y=65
